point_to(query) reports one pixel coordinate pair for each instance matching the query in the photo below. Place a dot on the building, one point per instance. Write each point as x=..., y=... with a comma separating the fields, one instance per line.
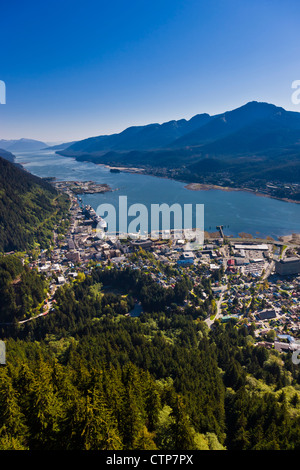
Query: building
x=265, y=344
x=73, y=256
x=266, y=314
x=227, y=318
x=261, y=247
x=71, y=244
x=281, y=346
x=213, y=267
x=186, y=257
x=144, y=244
x=288, y=266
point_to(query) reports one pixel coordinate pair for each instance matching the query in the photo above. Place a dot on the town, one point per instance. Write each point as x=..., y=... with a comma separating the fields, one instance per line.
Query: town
x=253, y=281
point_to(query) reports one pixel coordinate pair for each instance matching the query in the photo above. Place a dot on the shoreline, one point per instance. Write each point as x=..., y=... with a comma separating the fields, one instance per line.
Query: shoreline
x=207, y=187
x=125, y=169
x=82, y=187
x=189, y=186
x=195, y=186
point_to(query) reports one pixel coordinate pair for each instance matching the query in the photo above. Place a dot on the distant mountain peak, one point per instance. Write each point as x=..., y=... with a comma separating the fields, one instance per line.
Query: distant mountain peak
x=22, y=144
x=256, y=141
x=249, y=120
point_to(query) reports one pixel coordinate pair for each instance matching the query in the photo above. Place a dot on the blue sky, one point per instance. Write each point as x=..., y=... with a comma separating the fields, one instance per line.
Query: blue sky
x=79, y=69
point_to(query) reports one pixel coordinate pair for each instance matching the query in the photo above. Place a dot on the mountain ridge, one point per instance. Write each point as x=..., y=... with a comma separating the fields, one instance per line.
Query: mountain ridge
x=248, y=147
x=137, y=137
x=200, y=130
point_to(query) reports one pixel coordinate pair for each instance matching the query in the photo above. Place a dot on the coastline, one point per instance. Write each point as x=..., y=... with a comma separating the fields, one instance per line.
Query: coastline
x=124, y=168
x=187, y=185
x=82, y=187
x=207, y=187
x=195, y=186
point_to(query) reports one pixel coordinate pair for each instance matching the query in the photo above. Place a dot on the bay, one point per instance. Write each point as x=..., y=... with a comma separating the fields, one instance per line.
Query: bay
x=237, y=211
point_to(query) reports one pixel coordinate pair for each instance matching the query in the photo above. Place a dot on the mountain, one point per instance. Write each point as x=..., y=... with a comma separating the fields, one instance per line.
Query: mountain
x=228, y=123
x=254, y=127
x=29, y=208
x=7, y=155
x=60, y=146
x=22, y=145
x=257, y=142
x=147, y=137
x=271, y=128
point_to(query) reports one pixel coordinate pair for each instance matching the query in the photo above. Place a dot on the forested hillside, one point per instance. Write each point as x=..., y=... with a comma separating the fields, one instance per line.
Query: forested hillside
x=22, y=290
x=88, y=376
x=7, y=155
x=29, y=209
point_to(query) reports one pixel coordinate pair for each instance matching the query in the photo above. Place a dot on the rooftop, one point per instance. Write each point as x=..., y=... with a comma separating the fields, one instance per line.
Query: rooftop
x=289, y=260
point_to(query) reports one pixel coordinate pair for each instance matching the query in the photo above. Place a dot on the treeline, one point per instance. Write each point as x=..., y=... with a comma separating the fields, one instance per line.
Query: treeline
x=29, y=209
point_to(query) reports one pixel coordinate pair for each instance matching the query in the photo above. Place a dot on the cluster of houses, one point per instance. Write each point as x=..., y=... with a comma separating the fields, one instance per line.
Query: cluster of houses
x=272, y=302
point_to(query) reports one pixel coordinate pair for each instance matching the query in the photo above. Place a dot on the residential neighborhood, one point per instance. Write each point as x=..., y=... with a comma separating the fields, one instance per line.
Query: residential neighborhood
x=252, y=282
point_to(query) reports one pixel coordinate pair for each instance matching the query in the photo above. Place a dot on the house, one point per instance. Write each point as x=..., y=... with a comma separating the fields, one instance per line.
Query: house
x=266, y=314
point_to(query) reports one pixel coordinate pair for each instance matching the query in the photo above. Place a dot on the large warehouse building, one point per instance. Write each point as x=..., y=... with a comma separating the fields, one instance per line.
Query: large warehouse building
x=288, y=266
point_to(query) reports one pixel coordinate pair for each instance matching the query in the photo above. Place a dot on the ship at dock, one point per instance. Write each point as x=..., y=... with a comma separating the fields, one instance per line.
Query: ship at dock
x=91, y=215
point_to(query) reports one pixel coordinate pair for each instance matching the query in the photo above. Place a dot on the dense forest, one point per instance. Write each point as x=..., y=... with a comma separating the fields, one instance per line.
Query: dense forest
x=89, y=377
x=22, y=290
x=29, y=209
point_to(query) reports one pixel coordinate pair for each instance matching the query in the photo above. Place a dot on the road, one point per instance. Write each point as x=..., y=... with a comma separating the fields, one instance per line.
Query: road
x=28, y=319
x=208, y=321
x=49, y=305
x=33, y=318
x=269, y=269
